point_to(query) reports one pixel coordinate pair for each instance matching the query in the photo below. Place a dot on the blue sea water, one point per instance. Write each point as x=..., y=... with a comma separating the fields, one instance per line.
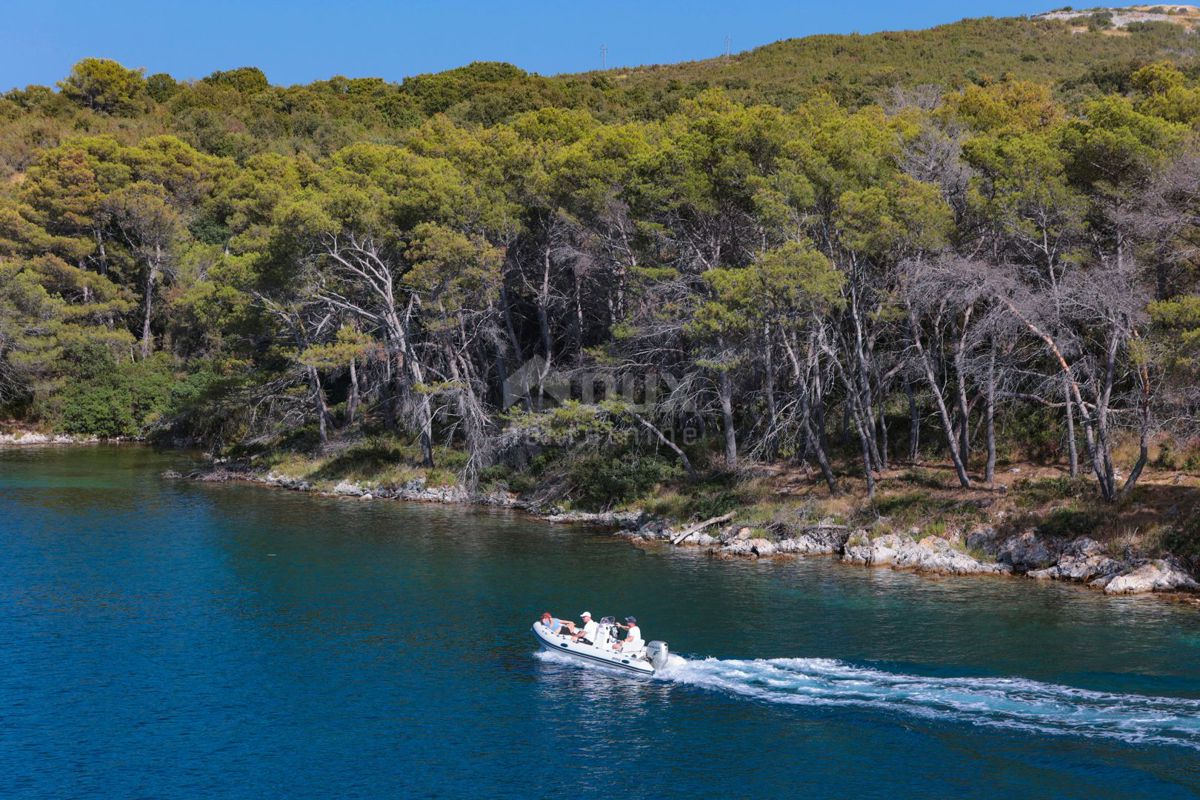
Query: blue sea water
x=171, y=639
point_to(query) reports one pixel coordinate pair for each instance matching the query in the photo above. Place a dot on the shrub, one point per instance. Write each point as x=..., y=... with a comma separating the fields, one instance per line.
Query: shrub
x=936, y=528
x=117, y=399
x=602, y=480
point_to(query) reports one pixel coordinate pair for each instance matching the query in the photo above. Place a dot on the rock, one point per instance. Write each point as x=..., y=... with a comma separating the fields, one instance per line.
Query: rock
x=219, y=475
x=35, y=437
x=750, y=547
x=762, y=547
x=1159, y=575
x=819, y=539
x=931, y=554
x=654, y=529
x=366, y=496
x=1028, y=552
x=744, y=534
x=984, y=540
x=861, y=549
x=626, y=520
x=347, y=489
x=171, y=475
x=1082, y=560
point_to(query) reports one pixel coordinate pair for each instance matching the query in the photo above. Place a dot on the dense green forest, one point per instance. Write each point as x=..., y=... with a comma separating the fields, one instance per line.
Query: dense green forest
x=970, y=244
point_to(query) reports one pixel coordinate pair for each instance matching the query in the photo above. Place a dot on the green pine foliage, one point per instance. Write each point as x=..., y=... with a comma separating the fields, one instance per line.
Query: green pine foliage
x=817, y=241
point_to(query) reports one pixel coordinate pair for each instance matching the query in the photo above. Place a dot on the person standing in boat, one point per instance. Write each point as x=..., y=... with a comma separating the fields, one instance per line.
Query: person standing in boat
x=633, y=637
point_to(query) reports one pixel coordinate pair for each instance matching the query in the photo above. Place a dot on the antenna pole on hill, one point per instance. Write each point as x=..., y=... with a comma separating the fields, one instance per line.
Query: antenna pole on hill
x=603, y=56
x=728, y=45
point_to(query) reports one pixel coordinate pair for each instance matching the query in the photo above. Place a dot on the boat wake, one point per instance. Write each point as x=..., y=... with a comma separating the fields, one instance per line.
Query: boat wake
x=1009, y=703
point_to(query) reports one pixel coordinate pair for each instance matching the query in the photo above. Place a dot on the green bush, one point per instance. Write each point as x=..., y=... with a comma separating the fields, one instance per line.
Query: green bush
x=602, y=480
x=109, y=398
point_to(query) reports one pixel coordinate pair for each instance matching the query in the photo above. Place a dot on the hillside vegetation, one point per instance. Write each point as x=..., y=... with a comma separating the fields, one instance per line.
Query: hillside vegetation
x=827, y=257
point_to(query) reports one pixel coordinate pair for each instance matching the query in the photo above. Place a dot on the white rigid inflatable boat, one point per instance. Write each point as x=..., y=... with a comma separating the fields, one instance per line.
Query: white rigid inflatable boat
x=646, y=661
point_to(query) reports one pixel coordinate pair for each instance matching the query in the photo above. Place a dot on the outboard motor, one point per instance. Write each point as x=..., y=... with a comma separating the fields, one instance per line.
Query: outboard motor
x=658, y=654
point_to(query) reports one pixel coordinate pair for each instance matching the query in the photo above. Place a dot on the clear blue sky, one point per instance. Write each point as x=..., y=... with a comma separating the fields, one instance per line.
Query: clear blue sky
x=305, y=40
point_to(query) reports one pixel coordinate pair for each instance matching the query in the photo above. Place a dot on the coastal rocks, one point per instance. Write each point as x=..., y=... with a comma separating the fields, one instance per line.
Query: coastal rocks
x=347, y=489
x=861, y=549
x=21, y=438
x=434, y=494
x=220, y=475
x=649, y=530
x=822, y=539
x=284, y=482
x=1028, y=551
x=757, y=547
x=1158, y=575
x=1082, y=560
x=625, y=520
x=930, y=554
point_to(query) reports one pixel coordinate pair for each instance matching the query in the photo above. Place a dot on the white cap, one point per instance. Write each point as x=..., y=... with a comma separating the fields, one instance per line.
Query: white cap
x=586, y=614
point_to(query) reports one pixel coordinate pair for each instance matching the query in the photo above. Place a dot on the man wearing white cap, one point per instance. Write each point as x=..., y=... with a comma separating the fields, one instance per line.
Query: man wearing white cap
x=590, y=630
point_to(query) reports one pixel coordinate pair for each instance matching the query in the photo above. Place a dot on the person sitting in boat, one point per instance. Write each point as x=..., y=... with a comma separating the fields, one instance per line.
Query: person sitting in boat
x=551, y=624
x=633, y=637
x=589, y=632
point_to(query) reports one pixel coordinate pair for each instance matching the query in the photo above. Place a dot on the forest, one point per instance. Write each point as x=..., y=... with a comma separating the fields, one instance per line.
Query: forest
x=757, y=260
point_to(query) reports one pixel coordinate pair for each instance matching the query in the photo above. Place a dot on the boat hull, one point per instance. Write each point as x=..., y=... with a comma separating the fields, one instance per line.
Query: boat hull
x=592, y=655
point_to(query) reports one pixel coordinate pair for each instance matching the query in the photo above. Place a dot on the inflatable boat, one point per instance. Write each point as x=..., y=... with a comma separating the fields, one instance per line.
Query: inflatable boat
x=647, y=661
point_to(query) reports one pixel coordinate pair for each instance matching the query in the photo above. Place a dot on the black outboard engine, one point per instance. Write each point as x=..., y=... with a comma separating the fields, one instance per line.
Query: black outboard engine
x=658, y=654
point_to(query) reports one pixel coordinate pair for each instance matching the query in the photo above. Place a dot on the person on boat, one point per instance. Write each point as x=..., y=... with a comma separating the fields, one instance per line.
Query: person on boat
x=633, y=637
x=589, y=632
x=551, y=624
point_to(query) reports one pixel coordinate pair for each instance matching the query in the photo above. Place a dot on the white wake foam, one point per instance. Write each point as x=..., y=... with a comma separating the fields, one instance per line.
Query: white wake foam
x=1013, y=703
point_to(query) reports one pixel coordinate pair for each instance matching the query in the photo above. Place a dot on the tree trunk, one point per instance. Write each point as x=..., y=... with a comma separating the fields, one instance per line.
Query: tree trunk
x=883, y=439
x=355, y=397
x=964, y=411
x=989, y=471
x=914, y=423
x=148, y=305
x=676, y=449
x=814, y=441
x=319, y=404
x=726, y=395
x=951, y=440
x=772, y=409
x=1072, y=447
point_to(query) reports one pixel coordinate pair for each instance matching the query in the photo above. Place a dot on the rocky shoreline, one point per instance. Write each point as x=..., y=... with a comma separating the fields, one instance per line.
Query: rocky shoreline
x=23, y=438
x=982, y=551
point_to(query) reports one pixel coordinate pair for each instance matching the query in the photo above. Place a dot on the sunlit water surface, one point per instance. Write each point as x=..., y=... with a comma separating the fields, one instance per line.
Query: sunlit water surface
x=170, y=639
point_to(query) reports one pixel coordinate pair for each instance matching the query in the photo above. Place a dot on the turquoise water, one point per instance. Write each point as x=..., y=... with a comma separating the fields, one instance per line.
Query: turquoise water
x=170, y=639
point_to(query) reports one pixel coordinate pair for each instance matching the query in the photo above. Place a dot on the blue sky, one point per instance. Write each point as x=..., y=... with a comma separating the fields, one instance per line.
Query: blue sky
x=305, y=40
